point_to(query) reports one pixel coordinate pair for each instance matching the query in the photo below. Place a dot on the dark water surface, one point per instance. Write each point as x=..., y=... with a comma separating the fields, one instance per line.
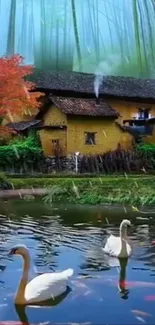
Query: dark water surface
x=72, y=236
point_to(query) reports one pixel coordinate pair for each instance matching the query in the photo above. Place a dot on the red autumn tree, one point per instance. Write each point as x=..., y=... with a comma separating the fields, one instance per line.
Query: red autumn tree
x=15, y=97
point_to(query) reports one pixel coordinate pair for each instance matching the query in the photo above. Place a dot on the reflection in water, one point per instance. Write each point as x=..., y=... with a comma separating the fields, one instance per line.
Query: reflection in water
x=21, y=310
x=124, y=292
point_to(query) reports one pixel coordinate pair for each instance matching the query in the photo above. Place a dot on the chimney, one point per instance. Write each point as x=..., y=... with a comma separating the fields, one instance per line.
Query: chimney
x=97, y=101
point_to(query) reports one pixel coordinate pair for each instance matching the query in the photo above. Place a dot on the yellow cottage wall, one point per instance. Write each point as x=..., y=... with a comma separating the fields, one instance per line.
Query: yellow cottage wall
x=53, y=117
x=46, y=137
x=108, y=135
x=128, y=110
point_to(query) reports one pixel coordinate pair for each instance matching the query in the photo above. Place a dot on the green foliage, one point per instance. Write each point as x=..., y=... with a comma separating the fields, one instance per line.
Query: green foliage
x=54, y=190
x=147, y=151
x=105, y=190
x=20, y=152
x=146, y=148
x=4, y=183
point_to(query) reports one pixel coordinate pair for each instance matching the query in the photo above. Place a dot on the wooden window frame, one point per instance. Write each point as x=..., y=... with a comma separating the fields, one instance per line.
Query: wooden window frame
x=92, y=141
x=142, y=112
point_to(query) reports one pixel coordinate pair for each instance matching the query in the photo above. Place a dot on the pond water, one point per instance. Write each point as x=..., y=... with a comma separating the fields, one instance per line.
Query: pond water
x=103, y=291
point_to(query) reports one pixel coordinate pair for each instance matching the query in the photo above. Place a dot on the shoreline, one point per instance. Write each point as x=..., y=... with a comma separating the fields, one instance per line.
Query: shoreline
x=15, y=193
x=135, y=191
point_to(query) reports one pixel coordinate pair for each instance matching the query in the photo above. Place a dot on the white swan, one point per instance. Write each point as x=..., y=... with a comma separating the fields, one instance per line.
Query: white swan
x=119, y=246
x=42, y=287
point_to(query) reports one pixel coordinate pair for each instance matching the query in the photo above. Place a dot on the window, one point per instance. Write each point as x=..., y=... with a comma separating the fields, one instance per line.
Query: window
x=143, y=113
x=55, y=142
x=90, y=138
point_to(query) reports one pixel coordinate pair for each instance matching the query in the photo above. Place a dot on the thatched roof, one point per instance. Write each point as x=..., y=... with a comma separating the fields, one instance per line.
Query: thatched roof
x=83, y=83
x=84, y=107
x=21, y=126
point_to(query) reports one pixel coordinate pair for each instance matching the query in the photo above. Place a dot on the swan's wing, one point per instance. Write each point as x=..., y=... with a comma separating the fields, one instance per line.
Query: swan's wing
x=113, y=246
x=47, y=286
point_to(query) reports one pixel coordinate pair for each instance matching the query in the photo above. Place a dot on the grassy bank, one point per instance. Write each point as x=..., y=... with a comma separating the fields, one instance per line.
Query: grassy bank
x=133, y=190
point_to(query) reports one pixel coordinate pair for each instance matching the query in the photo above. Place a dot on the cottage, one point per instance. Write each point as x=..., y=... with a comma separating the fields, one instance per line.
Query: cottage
x=72, y=125
x=73, y=120
x=133, y=98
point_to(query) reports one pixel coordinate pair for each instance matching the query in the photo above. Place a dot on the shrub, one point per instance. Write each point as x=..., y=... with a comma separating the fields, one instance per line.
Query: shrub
x=146, y=148
x=21, y=153
x=4, y=183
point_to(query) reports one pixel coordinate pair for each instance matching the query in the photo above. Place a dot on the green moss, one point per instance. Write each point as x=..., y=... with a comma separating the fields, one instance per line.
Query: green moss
x=119, y=190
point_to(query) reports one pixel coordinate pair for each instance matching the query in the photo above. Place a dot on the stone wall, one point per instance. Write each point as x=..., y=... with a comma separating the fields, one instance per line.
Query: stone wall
x=117, y=161
x=55, y=164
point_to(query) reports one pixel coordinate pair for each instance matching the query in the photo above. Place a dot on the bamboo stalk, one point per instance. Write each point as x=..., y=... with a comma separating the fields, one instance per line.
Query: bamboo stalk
x=23, y=45
x=142, y=26
x=57, y=44
x=11, y=30
x=65, y=30
x=119, y=34
x=137, y=35
x=43, y=34
x=126, y=37
x=97, y=31
x=31, y=36
x=92, y=28
x=150, y=29
x=109, y=28
x=76, y=35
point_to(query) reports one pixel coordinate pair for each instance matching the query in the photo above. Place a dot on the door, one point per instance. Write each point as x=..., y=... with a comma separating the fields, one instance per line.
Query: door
x=58, y=144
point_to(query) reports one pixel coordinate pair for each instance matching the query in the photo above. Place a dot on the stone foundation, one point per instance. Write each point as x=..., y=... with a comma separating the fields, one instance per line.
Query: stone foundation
x=55, y=164
x=118, y=161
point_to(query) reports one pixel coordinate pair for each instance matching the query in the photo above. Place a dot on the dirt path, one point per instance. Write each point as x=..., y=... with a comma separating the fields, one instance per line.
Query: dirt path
x=22, y=192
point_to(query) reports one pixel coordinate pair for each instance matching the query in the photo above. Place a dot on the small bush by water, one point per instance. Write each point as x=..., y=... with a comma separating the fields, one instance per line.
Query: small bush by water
x=103, y=190
x=4, y=183
x=21, y=155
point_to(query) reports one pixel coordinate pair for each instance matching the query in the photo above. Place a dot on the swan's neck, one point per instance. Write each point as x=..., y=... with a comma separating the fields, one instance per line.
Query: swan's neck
x=20, y=299
x=123, y=236
x=123, y=232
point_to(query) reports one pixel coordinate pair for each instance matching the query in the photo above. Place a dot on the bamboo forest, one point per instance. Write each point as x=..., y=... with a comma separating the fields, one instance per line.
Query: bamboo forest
x=115, y=36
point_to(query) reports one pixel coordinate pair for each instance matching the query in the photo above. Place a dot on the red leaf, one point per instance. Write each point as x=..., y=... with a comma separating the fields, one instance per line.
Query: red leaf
x=15, y=97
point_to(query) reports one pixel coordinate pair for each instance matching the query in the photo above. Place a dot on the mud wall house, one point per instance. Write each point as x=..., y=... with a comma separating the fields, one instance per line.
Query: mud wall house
x=72, y=125
x=133, y=99
x=71, y=117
